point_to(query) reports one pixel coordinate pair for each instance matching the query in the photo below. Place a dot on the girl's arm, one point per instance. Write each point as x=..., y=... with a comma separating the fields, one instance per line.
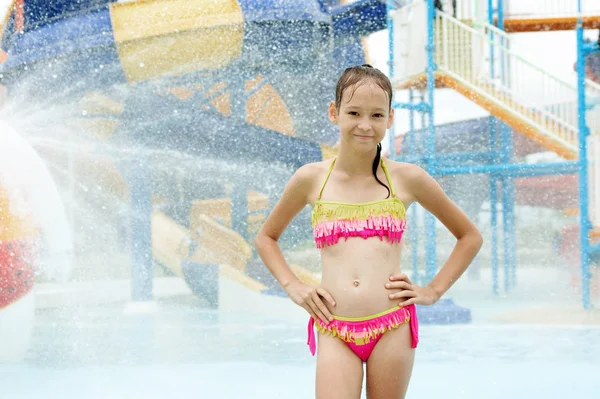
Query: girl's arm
x=428, y=193
x=293, y=200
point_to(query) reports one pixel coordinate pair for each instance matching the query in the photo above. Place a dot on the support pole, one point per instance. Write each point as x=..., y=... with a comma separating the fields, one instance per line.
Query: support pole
x=584, y=223
x=508, y=211
x=430, y=244
x=494, y=227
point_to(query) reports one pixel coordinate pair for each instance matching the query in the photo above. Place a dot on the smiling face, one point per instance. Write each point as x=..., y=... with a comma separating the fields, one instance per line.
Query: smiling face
x=363, y=115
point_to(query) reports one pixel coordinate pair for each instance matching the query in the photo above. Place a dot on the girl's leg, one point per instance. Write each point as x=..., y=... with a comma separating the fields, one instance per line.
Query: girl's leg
x=339, y=370
x=390, y=365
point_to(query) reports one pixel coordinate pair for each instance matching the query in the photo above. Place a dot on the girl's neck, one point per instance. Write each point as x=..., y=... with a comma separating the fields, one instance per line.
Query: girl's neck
x=354, y=163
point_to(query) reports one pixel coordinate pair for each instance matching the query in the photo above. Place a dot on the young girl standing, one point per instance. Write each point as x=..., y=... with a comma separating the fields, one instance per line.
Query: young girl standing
x=364, y=309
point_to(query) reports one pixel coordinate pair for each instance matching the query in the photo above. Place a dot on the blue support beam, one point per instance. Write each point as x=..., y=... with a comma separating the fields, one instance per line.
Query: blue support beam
x=507, y=202
x=390, y=28
x=500, y=15
x=514, y=170
x=494, y=148
x=584, y=222
x=430, y=231
x=494, y=227
x=431, y=68
x=508, y=210
x=505, y=154
x=452, y=158
x=490, y=11
x=510, y=232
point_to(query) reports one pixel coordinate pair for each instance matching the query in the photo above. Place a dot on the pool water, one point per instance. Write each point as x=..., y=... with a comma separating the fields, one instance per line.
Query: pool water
x=183, y=351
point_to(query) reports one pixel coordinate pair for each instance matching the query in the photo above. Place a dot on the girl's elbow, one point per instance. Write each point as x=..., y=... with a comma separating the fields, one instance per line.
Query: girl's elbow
x=262, y=238
x=472, y=238
x=477, y=239
x=259, y=240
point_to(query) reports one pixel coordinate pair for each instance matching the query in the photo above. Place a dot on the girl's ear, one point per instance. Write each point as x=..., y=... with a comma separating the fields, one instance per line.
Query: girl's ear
x=390, y=118
x=333, y=113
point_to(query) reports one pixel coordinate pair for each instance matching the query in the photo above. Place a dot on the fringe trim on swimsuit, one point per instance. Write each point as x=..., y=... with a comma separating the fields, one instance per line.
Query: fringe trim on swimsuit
x=329, y=232
x=362, y=332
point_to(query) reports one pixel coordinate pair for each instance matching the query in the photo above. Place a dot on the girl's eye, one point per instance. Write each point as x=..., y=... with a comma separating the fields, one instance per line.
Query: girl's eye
x=353, y=113
x=378, y=115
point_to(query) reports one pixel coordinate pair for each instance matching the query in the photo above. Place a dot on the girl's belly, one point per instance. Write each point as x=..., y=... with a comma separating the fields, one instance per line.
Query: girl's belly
x=355, y=273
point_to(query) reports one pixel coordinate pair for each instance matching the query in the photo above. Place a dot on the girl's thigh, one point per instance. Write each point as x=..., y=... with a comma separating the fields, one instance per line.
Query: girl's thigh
x=339, y=370
x=390, y=365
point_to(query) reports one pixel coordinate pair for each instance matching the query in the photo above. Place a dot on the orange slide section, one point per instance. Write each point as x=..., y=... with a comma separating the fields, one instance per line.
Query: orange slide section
x=497, y=107
x=524, y=23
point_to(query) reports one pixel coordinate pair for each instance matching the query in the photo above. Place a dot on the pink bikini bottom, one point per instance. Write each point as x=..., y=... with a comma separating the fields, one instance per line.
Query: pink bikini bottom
x=362, y=333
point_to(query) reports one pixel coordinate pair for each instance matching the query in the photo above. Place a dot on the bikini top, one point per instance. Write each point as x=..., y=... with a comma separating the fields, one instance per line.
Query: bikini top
x=332, y=220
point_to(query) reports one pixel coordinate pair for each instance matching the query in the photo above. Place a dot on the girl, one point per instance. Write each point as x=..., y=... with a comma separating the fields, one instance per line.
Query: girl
x=364, y=309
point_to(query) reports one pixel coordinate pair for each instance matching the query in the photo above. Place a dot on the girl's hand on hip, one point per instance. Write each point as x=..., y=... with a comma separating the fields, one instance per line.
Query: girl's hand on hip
x=409, y=293
x=311, y=299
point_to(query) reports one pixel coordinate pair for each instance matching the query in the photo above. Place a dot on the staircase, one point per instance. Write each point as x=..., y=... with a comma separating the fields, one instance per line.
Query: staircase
x=477, y=60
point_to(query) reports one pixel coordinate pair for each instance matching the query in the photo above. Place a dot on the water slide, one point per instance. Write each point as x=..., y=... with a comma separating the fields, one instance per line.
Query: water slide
x=35, y=239
x=209, y=248
x=229, y=82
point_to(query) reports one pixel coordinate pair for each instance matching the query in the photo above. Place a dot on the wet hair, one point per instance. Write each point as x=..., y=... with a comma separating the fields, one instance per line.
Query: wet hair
x=349, y=79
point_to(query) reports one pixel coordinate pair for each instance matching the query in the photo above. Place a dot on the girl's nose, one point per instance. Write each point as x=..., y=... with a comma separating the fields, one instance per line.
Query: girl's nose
x=364, y=124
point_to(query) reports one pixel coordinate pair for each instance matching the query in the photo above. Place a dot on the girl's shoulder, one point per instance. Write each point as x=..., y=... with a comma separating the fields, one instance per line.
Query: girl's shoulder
x=314, y=170
x=405, y=171
x=310, y=175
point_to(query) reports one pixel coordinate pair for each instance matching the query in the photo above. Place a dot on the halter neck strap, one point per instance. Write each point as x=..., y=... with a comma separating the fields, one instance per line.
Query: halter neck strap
x=326, y=178
x=383, y=166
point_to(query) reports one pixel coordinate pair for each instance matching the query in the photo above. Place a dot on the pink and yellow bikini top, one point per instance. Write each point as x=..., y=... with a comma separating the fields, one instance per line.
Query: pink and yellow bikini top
x=333, y=219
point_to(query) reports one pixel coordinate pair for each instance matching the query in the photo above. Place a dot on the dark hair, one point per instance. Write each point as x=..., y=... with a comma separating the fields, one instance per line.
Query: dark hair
x=350, y=78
